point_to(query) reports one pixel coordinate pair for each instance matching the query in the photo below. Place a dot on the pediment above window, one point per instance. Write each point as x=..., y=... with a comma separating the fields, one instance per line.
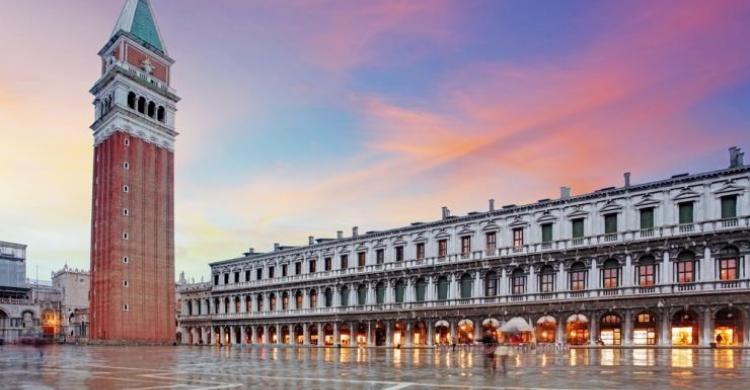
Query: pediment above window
x=610, y=207
x=729, y=189
x=518, y=222
x=361, y=247
x=577, y=213
x=465, y=231
x=442, y=234
x=546, y=218
x=686, y=194
x=647, y=202
x=399, y=240
x=490, y=226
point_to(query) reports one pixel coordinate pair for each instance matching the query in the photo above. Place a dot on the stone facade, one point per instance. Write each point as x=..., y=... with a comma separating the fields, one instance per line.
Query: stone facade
x=661, y=263
x=132, y=295
x=73, y=285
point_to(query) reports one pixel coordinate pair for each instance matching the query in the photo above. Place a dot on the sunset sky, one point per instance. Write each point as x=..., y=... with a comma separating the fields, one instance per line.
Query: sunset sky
x=305, y=117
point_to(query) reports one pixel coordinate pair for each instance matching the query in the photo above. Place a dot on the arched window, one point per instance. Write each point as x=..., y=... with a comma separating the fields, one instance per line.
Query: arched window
x=490, y=284
x=298, y=300
x=611, y=274
x=361, y=295
x=442, y=287
x=400, y=289
x=259, y=302
x=344, y=296
x=466, y=284
x=518, y=281
x=685, y=267
x=237, y=304
x=380, y=293
x=329, y=297
x=421, y=287
x=248, y=304
x=190, y=307
x=646, y=271
x=728, y=263
x=547, y=279
x=578, y=277
x=226, y=305
x=217, y=304
x=131, y=100
x=272, y=302
x=142, y=105
x=313, y=299
x=160, y=114
x=151, y=109
x=285, y=301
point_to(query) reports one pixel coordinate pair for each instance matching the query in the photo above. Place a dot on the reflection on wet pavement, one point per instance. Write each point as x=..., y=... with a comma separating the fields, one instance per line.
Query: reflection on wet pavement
x=67, y=366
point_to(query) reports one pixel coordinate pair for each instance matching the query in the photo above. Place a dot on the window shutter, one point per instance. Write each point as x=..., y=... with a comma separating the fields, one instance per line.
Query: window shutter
x=547, y=232
x=728, y=207
x=686, y=212
x=578, y=228
x=647, y=219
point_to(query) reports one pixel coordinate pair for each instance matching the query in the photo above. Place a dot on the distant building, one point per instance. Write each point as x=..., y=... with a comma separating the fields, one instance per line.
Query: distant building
x=73, y=285
x=19, y=315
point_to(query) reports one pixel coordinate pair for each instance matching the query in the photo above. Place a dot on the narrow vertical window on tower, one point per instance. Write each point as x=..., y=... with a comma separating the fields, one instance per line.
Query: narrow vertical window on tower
x=125, y=188
x=125, y=212
x=126, y=141
x=125, y=165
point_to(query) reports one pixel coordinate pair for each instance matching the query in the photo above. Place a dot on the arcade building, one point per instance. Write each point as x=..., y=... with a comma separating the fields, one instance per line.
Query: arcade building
x=663, y=263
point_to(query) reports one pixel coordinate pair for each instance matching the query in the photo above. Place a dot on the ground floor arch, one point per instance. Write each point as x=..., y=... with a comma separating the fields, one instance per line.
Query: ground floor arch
x=610, y=329
x=465, y=331
x=545, y=330
x=685, y=328
x=442, y=333
x=728, y=327
x=420, y=333
x=645, y=328
x=577, y=329
x=491, y=330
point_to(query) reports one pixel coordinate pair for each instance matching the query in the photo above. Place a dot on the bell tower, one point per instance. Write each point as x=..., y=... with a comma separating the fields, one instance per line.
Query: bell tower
x=132, y=294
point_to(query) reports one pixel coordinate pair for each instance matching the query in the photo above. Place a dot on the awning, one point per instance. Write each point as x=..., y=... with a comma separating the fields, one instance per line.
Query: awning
x=516, y=325
x=545, y=320
x=491, y=322
x=578, y=318
x=442, y=323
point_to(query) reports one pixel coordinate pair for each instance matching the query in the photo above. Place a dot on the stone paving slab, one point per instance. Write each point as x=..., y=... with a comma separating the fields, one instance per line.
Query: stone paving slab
x=110, y=367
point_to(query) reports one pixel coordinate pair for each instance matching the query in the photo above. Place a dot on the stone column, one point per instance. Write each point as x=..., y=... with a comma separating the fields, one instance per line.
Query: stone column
x=664, y=334
x=628, y=328
x=336, y=336
x=502, y=284
x=336, y=296
x=593, y=276
x=370, y=335
x=370, y=293
x=560, y=334
x=561, y=284
x=430, y=293
x=666, y=269
x=305, y=299
x=222, y=337
x=531, y=281
x=627, y=272
x=243, y=335
x=353, y=332
x=593, y=328
x=388, y=333
x=430, y=334
x=708, y=265
x=321, y=335
x=707, y=334
x=305, y=334
x=478, y=329
x=353, y=295
x=279, y=336
x=454, y=337
x=477, y=285
x=453, y=288
x=409, y=292
x=409, y=335
x=266, y=338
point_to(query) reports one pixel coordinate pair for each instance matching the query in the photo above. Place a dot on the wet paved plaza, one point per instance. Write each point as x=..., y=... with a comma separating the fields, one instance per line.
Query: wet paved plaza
x=73, y=367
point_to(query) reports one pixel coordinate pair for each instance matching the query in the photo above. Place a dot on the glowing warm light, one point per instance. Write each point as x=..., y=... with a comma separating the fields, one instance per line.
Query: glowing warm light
x=682, y=335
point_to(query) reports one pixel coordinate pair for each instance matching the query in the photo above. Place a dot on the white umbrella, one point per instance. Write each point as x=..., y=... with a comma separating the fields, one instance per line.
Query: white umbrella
x=442, y=323
x=516, y=325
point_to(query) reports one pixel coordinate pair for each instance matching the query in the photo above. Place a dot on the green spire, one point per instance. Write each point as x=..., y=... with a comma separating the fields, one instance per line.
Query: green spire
x=137, y=18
